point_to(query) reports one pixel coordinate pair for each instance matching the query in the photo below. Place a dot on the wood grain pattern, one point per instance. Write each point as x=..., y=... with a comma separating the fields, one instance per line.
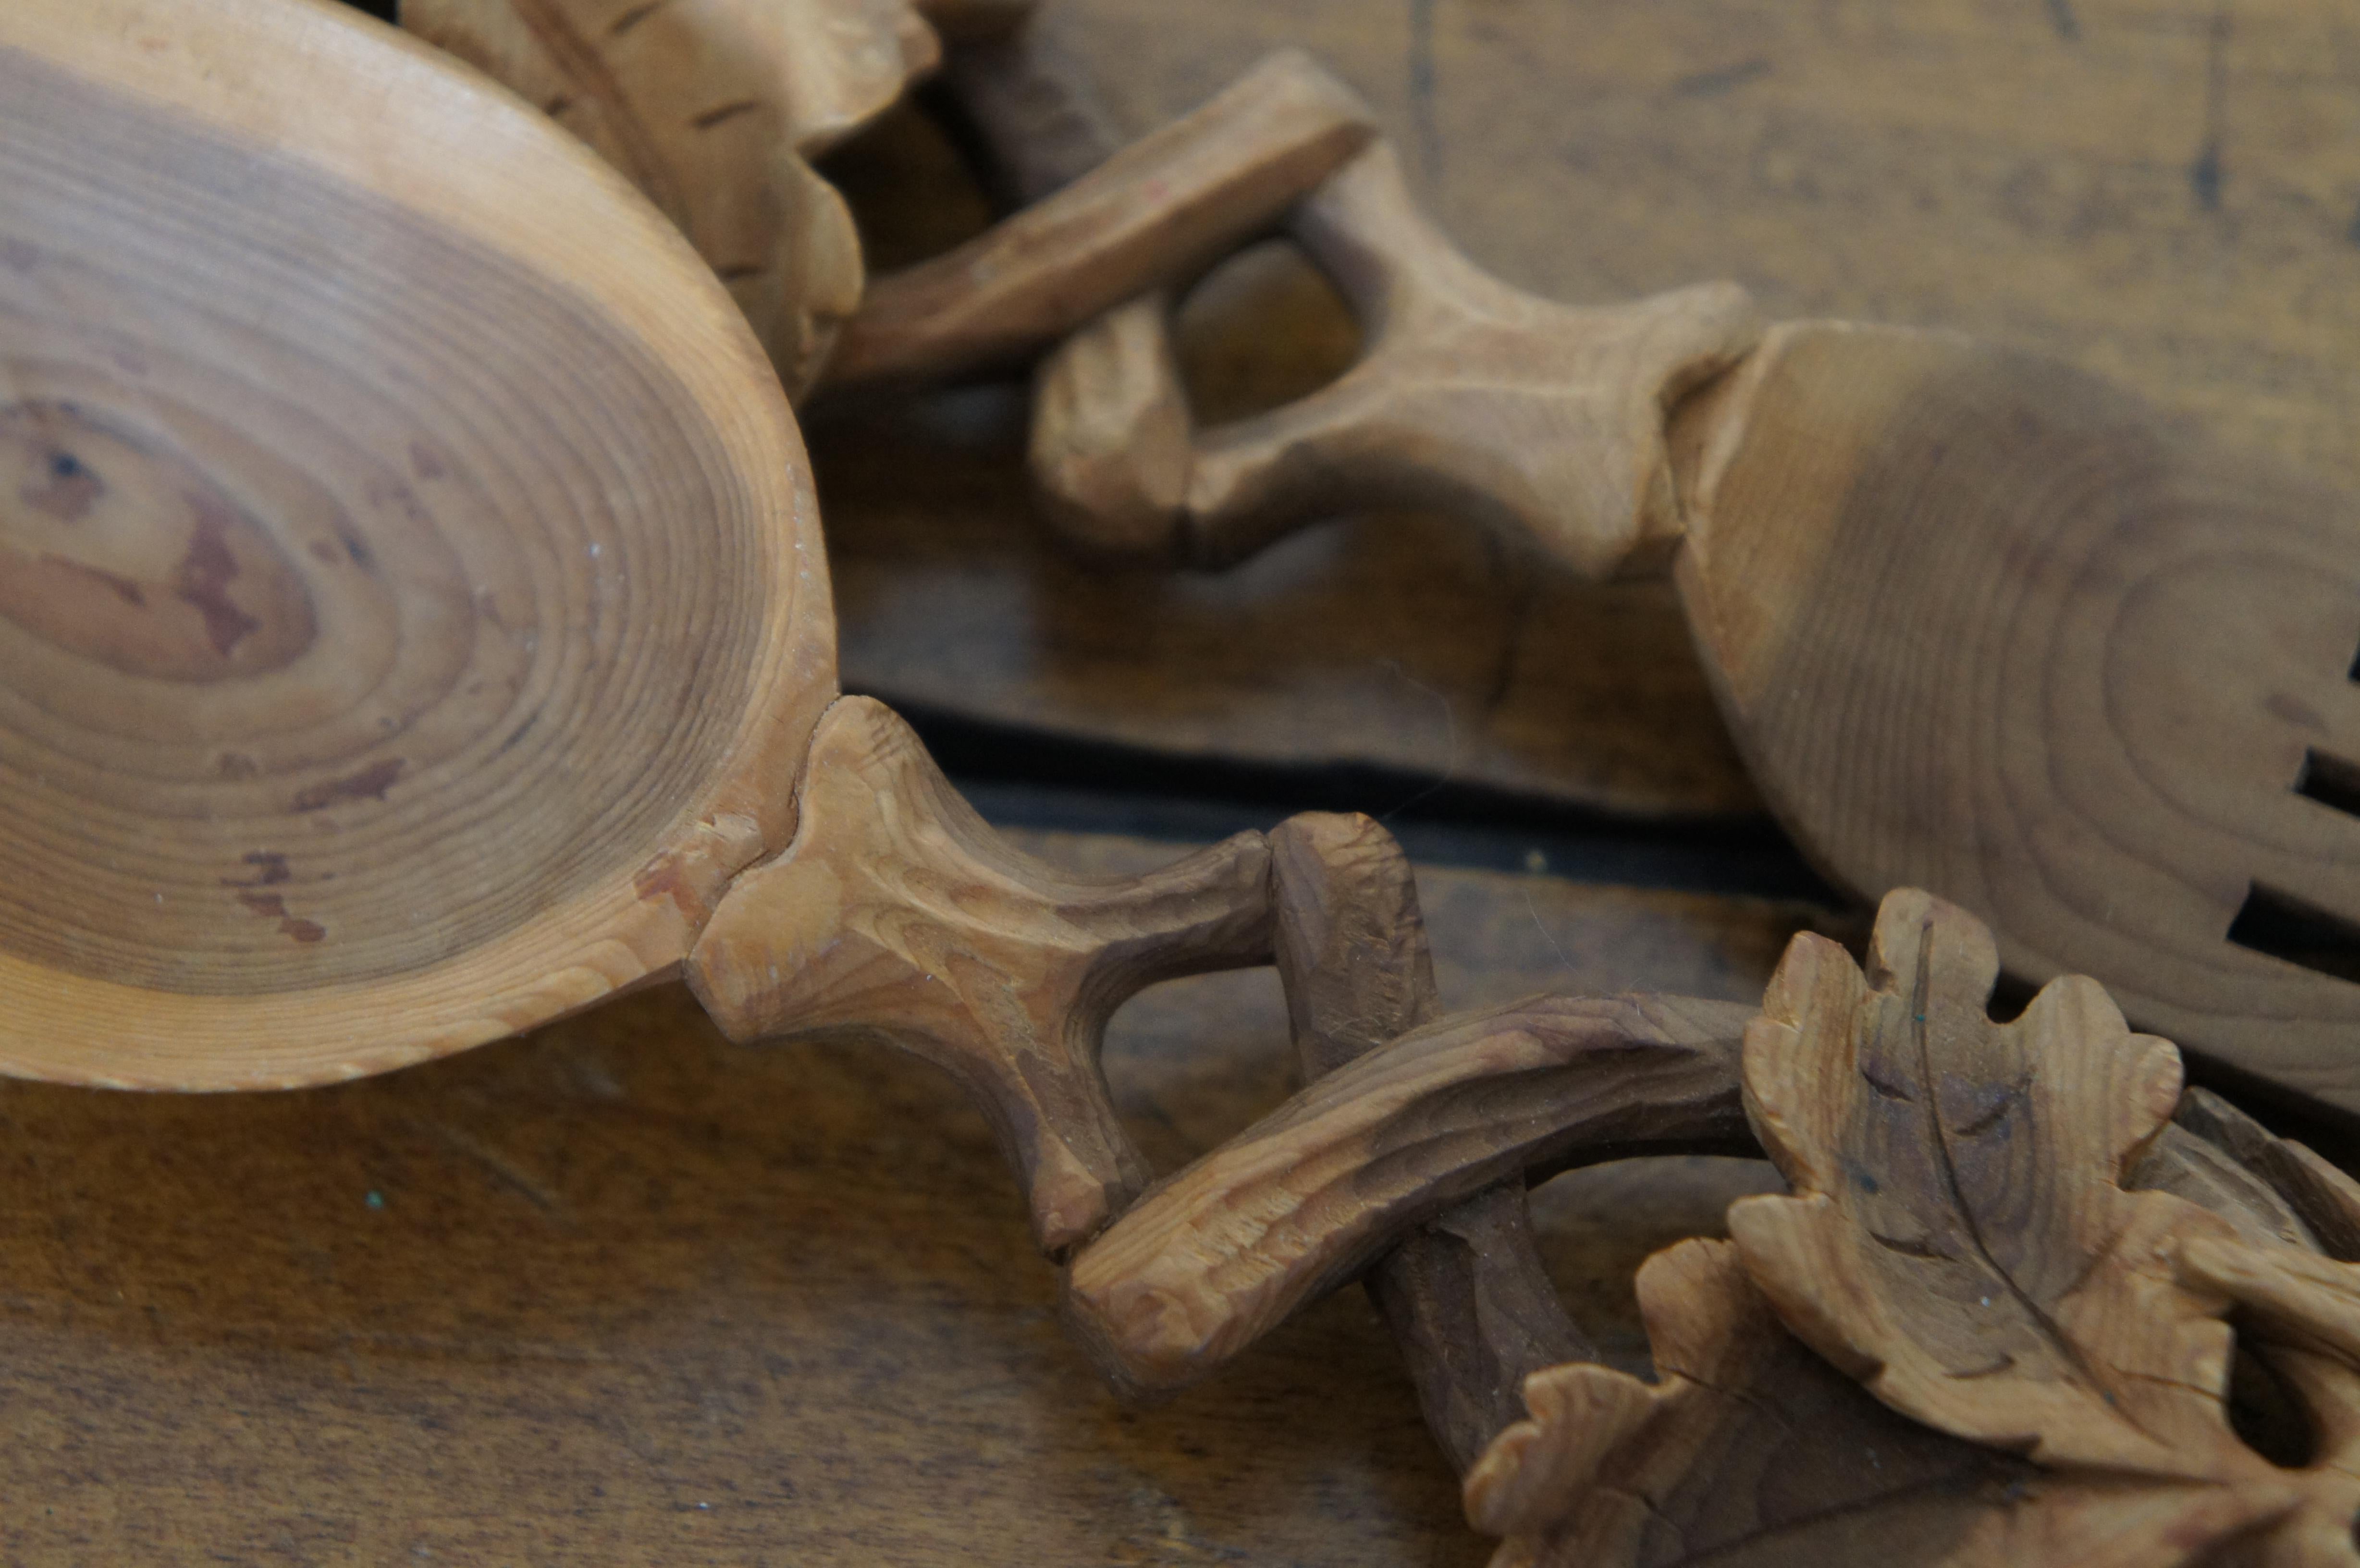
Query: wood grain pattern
x=1991, y=626
x=2322, y=1200
x=1994, y=169
x=1112, y=427
x=1754, y=1449
x=1163, y=208
x=1973, y=614
x=713, y=108
x=1470, y=396
x=1466, y=1296
x=623, y=1268
x=1959, y=1238
x=1748, y=1448
x=1219, y=1254
x=897, y=914
x=416, y=600
x=1493, y=672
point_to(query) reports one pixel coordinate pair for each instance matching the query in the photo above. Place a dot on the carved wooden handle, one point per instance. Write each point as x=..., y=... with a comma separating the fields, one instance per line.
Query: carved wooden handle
x=1470, y=396
x=1540, y=417
x=1159, y=210
x=1215, y=1256
x=897, y=912
x=1466, y=1296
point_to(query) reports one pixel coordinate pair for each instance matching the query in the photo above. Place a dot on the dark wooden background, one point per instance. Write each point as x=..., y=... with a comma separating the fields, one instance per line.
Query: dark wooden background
x=622, y=1294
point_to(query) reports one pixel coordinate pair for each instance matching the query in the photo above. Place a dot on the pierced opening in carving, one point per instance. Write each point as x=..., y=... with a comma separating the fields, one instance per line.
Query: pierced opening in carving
x=2286, y=927
x=2268, y=1415
x=2330, y=780
x=926, y=143
x=1263, y=329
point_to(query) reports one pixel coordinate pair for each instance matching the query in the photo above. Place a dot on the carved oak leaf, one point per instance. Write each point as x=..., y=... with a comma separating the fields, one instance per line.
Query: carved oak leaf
x=1958, y=1239
x=1753, y=1451
x=712, y=108
x=1960, y=1242
x=1750, y=1449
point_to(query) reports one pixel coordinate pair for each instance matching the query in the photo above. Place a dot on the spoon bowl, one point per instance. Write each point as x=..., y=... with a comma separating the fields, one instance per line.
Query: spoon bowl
x=1986, y=623
x=411, y=607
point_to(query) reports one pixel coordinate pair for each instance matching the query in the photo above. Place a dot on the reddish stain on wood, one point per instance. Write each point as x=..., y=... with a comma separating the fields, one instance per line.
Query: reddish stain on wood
x=369, y=784
x=269, y=904
x=269, y=868
x=303, y=931
x=206, y=574
x=662, y=878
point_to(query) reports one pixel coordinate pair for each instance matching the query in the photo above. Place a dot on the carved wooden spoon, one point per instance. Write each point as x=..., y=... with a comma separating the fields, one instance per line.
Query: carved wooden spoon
x=413, y=623
x=1981, y=623
x=1988, y=624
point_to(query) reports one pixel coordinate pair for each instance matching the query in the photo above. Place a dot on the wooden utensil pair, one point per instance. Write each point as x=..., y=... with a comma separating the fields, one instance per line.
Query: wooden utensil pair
x=415, y=628
x=1980, y=623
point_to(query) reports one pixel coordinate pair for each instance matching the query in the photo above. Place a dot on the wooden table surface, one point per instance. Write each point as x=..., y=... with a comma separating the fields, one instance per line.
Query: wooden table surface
x=623, y=1293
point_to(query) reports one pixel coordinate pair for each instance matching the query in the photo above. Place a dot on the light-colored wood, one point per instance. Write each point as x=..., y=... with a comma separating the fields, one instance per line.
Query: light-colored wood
x=1988, y=625
x=2322, y=1201
x=1113, y=444
x=2145, y=188
x=2192, y=1159
x=1350, y=944
x=1749, y=1445
x=1470, y=396
x=1216, y=1256
x=713, y=108
x=1496, y=668
x=1467, y=1296
x=1980, y=623
x=623, y=1268
x=1111, y=427
x=897, y=914
x=1959, y=1241
x=1752, y=1443
x=2029, y=173
x=415, y=608
x=1160, y=209
x=1956, y=1239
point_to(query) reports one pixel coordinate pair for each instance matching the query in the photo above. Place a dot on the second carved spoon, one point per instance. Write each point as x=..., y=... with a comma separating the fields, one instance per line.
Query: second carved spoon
x=1985, y=624
x=1980, y=622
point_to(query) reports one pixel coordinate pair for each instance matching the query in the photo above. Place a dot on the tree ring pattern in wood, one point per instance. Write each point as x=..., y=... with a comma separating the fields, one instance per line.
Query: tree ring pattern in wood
x=1992, y=627
x=367, y=598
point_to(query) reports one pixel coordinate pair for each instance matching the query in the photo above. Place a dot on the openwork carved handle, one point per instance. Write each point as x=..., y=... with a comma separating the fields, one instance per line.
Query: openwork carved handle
x=1216, y=1256
x=1538, y=418
x=1471, y=397
x=897, y=912
x=1160, y=209
x=1465, y=1297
